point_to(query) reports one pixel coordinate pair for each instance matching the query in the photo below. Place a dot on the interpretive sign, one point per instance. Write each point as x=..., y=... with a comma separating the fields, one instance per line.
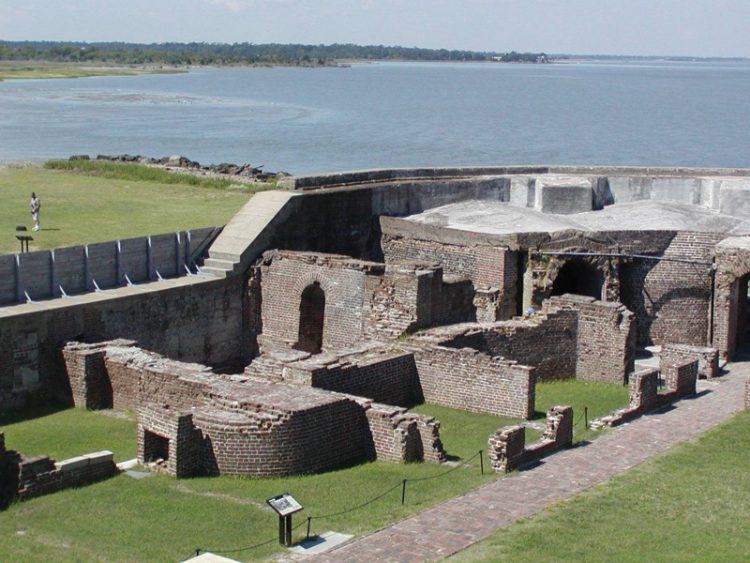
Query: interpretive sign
x=284, y=505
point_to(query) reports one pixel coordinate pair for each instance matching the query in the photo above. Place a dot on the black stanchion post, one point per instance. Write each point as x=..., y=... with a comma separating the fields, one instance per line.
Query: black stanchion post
x=586, y=417
x=403, y=491
x=309, y=519
x=481, y=462
x=197, y=552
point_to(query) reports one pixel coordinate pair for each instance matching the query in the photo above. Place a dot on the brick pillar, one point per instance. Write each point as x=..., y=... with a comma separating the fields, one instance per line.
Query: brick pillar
x=642, y=389
x=559, y=426
x=506, y=447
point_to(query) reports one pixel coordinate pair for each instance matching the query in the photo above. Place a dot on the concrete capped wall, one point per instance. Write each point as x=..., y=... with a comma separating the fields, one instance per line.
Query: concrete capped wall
x=75, y=269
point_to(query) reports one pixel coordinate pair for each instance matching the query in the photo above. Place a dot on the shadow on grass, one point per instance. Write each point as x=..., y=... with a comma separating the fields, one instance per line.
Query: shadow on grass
x=31, y=413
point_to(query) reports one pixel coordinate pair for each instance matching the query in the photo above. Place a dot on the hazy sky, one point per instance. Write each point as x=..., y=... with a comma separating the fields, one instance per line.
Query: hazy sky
x=665, y=27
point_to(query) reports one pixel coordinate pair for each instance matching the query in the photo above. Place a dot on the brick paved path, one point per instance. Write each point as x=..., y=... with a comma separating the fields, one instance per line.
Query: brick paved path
x=454, y=525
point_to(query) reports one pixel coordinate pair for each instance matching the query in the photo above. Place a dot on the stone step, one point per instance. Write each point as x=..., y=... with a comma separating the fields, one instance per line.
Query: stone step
x=219, y=264
x=218, y=272
x=228, y=256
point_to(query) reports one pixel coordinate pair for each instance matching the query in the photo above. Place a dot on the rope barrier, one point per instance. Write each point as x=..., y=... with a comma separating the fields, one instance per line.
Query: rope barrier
x=309, y=519
x=381, y=495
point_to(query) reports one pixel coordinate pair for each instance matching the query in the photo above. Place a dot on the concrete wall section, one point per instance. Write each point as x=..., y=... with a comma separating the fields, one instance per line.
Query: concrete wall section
x=195, y=319
x=72, y=270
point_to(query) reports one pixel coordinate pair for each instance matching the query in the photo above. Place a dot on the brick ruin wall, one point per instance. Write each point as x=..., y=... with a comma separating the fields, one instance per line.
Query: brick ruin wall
x=672, y=300
x=546, y=340
x=507, y=448
x=24, y=477
x=284, y=276
x=272, y=442
x=643, y=390
x=708, y=358
x=200, y=422
x=463, y=378
x=606, y=338
x=205, y=322
x=492, y=269
x=732, y=266
x=573, y=336
x=386, y=376
x=364, y=300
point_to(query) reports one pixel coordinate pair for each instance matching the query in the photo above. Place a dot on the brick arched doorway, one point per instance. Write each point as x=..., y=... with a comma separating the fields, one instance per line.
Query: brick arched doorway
x=311, y=319
x=579, y=277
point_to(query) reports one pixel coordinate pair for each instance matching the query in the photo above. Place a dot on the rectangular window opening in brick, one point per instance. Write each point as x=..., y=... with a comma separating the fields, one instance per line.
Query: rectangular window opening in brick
x=155, y=447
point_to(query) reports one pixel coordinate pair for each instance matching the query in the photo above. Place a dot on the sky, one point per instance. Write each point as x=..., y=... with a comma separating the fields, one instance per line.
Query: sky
x=621, y=27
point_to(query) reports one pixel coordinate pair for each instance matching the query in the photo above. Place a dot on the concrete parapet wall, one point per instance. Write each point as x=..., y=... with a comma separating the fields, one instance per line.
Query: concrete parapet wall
x=47, y=274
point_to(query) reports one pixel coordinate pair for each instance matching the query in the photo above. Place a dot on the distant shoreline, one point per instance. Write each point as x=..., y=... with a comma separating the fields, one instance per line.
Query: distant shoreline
x=28, y=70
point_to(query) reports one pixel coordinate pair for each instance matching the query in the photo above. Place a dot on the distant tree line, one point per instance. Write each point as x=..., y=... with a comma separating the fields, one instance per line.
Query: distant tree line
x=237, y=53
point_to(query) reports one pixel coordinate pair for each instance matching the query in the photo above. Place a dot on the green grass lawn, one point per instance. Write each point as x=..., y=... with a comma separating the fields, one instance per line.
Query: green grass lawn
x=62, y=434
x=78, y=208
x=163, y=519
x=691, y=504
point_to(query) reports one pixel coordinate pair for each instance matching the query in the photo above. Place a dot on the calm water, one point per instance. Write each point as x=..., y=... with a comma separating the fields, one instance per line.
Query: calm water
x=394, y=114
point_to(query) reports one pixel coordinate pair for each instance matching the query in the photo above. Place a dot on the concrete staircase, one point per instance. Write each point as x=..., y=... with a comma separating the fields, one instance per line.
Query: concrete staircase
x=249, y=233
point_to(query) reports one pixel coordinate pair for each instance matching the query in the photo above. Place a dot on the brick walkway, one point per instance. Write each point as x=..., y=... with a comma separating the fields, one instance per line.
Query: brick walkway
x=454, y=525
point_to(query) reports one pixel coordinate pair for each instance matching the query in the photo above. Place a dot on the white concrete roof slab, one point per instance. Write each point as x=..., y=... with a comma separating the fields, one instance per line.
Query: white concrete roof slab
x=501, y=218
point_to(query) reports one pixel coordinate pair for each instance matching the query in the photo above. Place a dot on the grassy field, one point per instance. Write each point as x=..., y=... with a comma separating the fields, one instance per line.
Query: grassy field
x=31, y=70
x=78, y=208
x=162, y=519
x=62, y=434
x=691, y=504
x=600, y=398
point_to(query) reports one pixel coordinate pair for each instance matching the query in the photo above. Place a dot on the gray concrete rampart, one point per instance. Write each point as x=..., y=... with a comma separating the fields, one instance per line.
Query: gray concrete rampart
x=77, y=269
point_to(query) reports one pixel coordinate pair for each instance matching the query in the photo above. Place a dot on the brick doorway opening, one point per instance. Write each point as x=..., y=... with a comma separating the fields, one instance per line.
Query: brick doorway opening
x=155, y=447
x=311, y=319
x=579, y=277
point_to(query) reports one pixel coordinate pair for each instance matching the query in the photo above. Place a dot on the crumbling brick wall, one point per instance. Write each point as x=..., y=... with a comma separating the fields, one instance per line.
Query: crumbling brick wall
x=732, y=266
x=643, y=389
x=488, y=267
x=177, y=427
x=464, y=378
x=385, y=376
x=401, y=437
x=118, y=375
x=708, y=358
x=605, y=349
x=679, y=378
x=547, y=341
x=507, y=449
x=22, y=478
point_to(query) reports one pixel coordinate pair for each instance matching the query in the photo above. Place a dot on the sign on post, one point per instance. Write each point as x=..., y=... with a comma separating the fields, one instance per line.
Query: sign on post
x=284, y=505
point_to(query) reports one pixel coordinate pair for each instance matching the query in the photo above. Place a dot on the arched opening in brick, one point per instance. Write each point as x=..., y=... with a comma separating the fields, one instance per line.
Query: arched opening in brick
x=311, y=319
x=742, y=326
x=579, y=277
